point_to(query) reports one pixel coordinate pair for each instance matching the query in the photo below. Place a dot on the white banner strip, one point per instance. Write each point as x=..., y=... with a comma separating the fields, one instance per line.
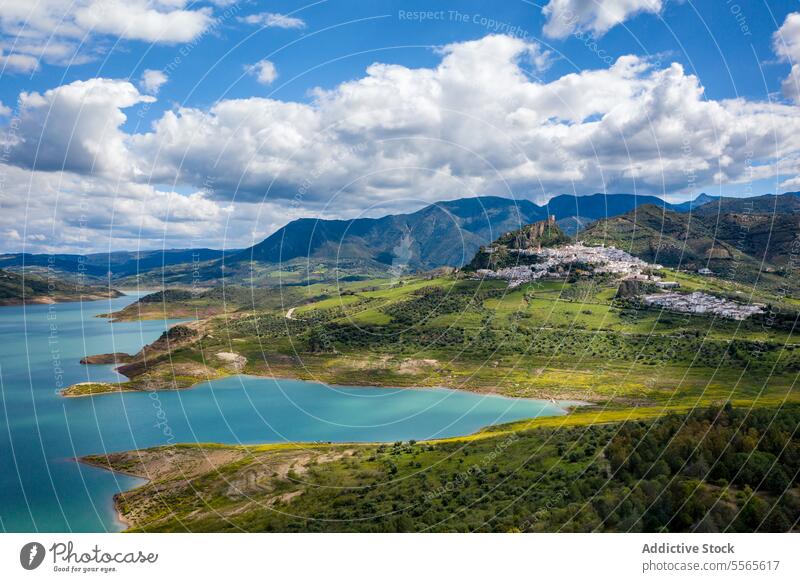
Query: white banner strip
x=400, y=557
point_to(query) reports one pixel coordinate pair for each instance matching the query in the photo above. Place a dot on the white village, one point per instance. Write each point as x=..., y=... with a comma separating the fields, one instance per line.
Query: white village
x=557, y=262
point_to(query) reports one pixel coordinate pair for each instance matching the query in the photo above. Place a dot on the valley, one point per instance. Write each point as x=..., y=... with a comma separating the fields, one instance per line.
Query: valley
x=616, y=319
x=549, y=319
x=400, y=267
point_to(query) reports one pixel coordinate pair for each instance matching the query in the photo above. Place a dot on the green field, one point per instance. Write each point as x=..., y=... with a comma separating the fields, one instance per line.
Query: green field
x=711, y=470
x=562, y=339
x=693, y=428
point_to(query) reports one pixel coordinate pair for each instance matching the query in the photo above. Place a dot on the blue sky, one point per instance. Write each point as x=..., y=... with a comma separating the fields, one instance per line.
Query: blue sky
x=705, y=36
x=227, y=132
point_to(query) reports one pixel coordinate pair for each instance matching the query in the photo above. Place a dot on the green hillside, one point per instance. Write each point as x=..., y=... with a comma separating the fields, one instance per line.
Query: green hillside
x=692, y=241
x=710, y=470
x=566, y=338
x=643, y=458
x=545, y=233
x=16, y=289
x=771, y=238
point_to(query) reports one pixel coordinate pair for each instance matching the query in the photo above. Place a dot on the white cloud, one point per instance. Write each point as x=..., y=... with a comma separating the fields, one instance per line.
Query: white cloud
x=264, y=71
x=166, y=22
x=12, y=234
x=18, y=62
x=476, y=123
x=565, y=17
x=786, y=40
x=274, y=20
x=61, y=31
x=790, y=86
x=152, y=80
x=5, y=111
x=786, y=44
x=75, y=127
x=65, y=212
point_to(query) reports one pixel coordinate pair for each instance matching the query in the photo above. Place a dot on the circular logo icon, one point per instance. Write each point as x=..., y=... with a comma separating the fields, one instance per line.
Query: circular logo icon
x=31, y=555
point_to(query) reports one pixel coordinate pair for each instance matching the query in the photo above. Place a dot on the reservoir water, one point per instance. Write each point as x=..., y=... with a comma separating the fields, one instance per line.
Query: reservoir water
x=43, y=489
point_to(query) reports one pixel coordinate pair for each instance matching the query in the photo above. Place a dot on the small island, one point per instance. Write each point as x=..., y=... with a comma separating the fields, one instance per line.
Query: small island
x=92, y=388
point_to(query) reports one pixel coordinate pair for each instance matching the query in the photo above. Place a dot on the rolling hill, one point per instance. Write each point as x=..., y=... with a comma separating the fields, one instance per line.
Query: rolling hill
x=446, y=233
x=16, y=289
x=441, y=234
x=687, y=241
x=727, y=235
x=102, y=266
x=764, y=227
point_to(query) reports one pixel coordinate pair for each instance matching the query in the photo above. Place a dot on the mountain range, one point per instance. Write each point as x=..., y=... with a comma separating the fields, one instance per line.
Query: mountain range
x=696, y=233
x=442, y=234
x=745, y=240
x=114, y=265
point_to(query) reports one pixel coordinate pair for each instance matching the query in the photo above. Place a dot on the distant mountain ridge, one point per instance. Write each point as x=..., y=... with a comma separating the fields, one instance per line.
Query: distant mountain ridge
x=690, y=205
x=788, y=202
x=115, y=264
x=16, y=289
x=446, y=233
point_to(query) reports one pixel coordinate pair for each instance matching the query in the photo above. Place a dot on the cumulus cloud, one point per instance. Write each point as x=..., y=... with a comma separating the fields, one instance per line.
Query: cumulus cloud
x=152, y=80
x=476, y=123
x=790, y=86
x=786, y=40
x=786, y=44
x=274, y=20
x=59, y=31
x=164, y=21
x=75, y=127
x=265, y=71
x=67, y=212
x=15, y=62
x=565, y=17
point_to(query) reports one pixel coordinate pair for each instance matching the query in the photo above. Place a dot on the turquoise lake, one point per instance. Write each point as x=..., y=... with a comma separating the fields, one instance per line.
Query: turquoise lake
x=43, y=489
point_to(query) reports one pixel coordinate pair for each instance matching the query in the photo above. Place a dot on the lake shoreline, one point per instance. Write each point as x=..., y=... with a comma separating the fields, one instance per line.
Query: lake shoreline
x=46, y=344
x=149, y=467
x=56, y=299
x=120, y=516
x=68, y=392
x=565, y=406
